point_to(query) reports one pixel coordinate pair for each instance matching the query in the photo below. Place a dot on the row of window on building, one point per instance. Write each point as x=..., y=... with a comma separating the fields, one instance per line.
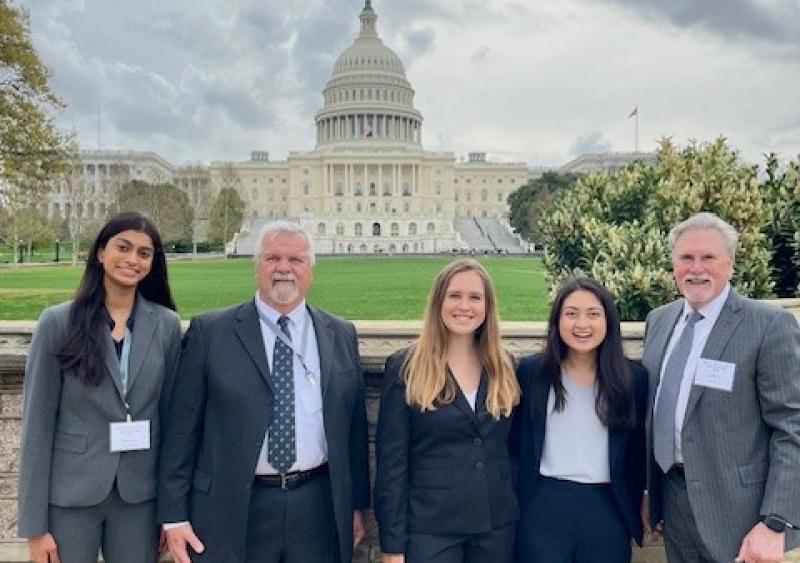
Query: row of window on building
x=376, y=229
x=392, y=248
x=89, y=211
x=372, y=207
x=343, y=95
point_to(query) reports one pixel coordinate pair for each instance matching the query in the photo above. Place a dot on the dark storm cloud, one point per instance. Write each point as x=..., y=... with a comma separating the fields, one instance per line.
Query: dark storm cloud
x=775, y=22
x=590, y=143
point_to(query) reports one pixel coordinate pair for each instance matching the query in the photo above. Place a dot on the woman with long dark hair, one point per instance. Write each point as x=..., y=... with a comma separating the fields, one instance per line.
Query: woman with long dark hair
x=579, y=432
x=92, y=393
x=443, y=491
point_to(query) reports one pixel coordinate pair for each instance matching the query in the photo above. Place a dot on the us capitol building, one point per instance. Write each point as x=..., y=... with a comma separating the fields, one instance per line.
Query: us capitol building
x=367, y=187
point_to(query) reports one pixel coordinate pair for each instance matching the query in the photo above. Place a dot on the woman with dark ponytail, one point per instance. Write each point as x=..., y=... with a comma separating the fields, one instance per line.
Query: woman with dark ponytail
x=92, y=395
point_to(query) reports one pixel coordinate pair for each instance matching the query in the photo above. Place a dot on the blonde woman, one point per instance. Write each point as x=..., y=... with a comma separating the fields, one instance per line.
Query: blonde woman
x=444, y=491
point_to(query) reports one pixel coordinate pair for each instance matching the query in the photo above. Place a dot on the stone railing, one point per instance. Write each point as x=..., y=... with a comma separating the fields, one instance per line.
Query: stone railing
x=377, y=339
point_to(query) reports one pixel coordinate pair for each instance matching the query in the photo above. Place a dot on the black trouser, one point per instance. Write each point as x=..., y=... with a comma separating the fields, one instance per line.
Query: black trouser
x=494, y=546
x=568, y=522
x=294, y=526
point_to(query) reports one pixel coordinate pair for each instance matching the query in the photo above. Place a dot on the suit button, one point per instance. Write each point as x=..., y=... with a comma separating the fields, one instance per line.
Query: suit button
x=479, y=466
x=477, y=441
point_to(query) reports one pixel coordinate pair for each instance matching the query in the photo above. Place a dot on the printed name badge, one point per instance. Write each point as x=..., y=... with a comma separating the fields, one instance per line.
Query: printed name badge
x=130, y=436
x=714, y=374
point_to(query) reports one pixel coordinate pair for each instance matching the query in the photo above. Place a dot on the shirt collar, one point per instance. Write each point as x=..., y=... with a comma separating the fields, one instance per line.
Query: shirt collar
x=711, y=310
x=110, y=321
x=296, y=316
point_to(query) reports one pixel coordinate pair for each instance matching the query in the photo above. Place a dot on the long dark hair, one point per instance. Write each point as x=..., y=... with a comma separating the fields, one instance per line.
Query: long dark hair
x=615, y=404
x=84, y=350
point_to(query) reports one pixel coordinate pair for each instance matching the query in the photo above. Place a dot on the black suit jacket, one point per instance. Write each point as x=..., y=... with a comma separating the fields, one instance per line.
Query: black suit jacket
x=219, y=413
x=626, y=448
x=446, y=471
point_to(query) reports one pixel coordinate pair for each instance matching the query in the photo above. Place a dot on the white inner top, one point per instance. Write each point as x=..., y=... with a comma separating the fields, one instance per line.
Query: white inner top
x=471, y=398
x=575, y=441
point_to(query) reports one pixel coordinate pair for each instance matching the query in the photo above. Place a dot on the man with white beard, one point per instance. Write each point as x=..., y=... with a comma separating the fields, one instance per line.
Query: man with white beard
x=265, y=453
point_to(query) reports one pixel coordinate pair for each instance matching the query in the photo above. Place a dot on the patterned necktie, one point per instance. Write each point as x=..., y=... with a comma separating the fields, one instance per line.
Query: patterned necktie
x=281, y=450
x=664, y=418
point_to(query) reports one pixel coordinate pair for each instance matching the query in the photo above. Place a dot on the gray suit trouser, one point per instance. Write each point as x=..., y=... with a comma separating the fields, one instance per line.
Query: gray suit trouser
x=125, y=533
x=681, y=537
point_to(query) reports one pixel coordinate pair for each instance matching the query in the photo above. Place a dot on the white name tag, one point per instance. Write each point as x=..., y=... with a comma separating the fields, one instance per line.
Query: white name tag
x=714, y=374
x=130, y=436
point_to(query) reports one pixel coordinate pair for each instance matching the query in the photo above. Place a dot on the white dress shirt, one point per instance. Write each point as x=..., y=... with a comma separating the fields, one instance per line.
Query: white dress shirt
x=311, y=446
x=701, y=331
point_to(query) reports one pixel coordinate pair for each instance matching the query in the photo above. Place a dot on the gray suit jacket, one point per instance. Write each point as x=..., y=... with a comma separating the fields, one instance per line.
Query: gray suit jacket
x=741, y=449
x=65, y=458
x=219, y=413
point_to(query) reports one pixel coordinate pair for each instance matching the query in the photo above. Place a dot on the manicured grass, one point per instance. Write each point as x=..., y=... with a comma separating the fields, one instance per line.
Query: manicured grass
x=355, y=288
x=44, y=253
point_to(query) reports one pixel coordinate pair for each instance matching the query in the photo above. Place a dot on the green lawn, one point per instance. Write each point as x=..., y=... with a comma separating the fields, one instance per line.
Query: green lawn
x=355, y=288
x=40, y=254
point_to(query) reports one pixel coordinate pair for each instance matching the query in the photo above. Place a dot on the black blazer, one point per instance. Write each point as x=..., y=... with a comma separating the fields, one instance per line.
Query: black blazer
x=446, y=471
x=626, y=448
x=220, y=412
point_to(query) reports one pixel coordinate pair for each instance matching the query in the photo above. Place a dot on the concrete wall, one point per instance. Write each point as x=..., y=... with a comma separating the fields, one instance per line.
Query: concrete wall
x=377, y=339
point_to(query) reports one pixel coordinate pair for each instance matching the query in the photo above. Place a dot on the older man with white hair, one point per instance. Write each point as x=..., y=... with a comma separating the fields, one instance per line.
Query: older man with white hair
x=724, y=418
x=265, y=453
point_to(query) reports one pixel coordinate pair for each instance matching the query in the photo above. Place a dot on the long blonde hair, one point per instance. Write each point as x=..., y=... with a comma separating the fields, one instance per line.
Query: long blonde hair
x=425, y=370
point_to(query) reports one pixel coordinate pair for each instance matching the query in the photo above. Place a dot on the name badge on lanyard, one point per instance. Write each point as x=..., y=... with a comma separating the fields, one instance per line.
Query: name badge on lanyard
x=129, y=435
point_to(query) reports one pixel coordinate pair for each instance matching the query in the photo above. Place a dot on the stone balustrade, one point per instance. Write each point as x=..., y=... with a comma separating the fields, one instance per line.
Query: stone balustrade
x=377, y=339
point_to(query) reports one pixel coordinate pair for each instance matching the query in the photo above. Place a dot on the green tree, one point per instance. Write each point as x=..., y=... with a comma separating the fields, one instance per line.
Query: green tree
x=526, y=203
x=34, y=228
x=226, y=215
x=75, y=190
x=614, y=228
x=783, y=193
x=167, y=205
x=33, y=151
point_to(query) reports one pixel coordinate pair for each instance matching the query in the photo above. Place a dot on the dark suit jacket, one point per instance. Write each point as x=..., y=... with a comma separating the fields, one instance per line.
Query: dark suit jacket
x=626, y=448
x=65, y=458
x=440, y=472
x=220, y=411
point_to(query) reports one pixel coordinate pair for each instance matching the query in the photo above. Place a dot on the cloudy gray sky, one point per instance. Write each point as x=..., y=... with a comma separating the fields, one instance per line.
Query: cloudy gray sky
x=524, y=80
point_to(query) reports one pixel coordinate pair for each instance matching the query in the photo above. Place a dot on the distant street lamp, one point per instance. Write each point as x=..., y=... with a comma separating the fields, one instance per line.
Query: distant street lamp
x=57, y=243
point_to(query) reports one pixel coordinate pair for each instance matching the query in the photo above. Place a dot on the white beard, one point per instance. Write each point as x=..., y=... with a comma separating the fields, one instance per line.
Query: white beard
x=284, y=292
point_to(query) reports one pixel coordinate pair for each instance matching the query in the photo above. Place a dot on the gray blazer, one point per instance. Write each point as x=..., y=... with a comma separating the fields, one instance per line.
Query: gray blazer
x=65, y=458
x=220, y=411
x=741, y=449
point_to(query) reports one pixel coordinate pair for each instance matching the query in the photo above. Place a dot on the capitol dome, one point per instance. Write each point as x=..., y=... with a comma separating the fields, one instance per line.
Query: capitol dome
x=368, y=101
x=368, y=53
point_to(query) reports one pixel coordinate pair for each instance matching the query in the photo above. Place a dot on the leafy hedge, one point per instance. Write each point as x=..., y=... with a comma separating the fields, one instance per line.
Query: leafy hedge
x=615, y=227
